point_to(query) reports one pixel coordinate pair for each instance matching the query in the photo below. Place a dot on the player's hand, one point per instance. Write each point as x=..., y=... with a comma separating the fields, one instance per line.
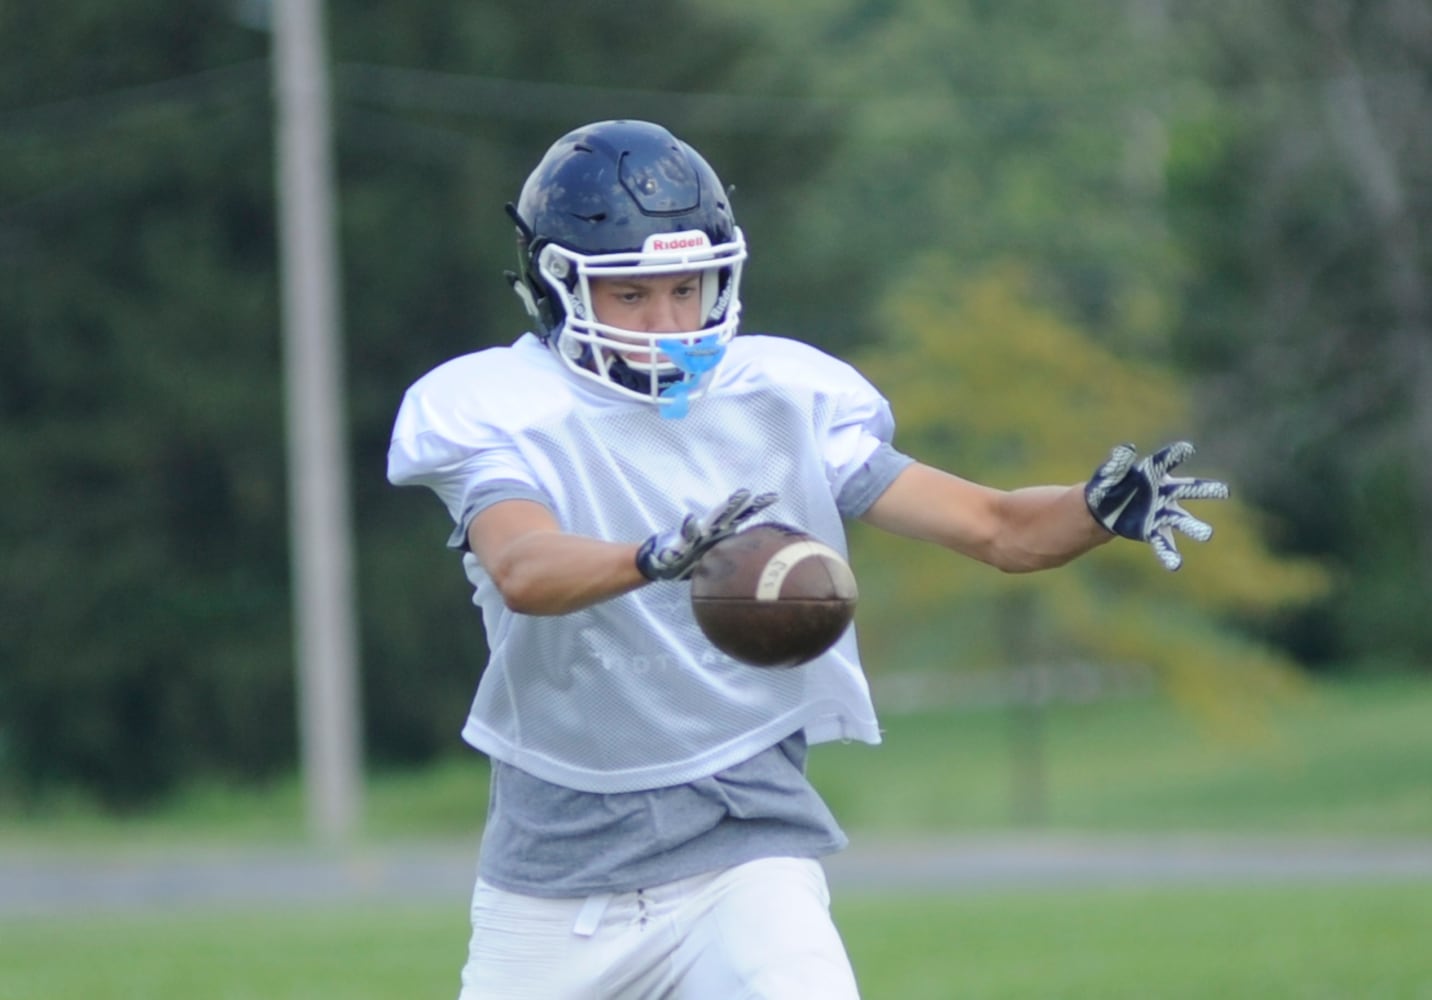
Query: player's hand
x=1138, y=499
x=672, y=555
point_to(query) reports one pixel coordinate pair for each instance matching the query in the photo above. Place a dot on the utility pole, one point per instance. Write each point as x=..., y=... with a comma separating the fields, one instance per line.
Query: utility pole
x=320, y=524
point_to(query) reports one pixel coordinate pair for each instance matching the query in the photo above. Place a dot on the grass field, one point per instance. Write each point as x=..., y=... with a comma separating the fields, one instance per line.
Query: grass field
x=1268, y=942
x=1353, y=760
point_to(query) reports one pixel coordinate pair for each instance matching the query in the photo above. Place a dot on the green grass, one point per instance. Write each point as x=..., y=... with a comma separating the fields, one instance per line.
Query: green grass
x=1353, y=759
x=1341, y=760
x=1347, y=759
x=353, y=953
x=1280, y=942
x=446, y=799
x=1283, y=942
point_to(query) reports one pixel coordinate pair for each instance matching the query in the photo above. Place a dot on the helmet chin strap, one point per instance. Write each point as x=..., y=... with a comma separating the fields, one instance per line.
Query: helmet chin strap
x=674, y=387
x=691, y=359
x=618, y=370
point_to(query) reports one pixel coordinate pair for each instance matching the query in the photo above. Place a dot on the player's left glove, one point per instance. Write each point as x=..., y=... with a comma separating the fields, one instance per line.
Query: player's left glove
x=1138, y=499
x=673, y=555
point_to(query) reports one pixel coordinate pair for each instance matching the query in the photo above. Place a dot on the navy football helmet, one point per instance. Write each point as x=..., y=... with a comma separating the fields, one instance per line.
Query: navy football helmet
x=628, y=199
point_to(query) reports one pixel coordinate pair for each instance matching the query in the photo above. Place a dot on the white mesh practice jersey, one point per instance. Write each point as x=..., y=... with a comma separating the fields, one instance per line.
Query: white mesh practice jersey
x=628, y=694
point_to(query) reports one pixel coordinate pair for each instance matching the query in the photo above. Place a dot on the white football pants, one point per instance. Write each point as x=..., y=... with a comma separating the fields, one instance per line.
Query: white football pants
x=759, y=931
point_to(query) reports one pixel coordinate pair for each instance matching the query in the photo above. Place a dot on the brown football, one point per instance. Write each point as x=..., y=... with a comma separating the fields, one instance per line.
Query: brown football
x=773, y=596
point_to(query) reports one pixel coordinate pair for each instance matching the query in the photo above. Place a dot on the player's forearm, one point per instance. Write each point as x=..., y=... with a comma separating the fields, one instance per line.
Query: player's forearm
x=553, y=573
x=1017, y=531
x=1043, y=527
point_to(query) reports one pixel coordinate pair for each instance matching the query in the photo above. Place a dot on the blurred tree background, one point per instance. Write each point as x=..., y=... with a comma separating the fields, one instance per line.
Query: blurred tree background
x=1040, y=228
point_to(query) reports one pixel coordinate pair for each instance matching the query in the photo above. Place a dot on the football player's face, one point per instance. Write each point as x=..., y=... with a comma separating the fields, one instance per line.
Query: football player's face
x=666, y=304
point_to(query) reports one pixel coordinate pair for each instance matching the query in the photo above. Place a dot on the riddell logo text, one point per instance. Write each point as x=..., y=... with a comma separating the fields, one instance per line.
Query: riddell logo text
x=679, y=242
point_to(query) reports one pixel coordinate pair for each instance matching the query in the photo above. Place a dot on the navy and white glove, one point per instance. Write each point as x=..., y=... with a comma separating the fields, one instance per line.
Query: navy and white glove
x=673, y=555
x=1137, y=498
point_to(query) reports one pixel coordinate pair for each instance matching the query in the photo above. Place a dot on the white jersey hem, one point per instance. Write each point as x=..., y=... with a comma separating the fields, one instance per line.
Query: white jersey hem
x=823, y=722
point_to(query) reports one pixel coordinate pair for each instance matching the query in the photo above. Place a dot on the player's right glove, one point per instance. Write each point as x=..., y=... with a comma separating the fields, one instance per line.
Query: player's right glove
x=673, y=555
x=1140, y=500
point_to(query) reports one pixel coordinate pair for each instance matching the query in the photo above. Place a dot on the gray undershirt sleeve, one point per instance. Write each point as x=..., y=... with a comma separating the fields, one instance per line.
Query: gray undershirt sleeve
x=872, y=479
x=483, y=496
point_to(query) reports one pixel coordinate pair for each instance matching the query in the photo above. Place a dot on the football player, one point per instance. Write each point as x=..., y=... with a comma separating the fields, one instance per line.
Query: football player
x=651, y=830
